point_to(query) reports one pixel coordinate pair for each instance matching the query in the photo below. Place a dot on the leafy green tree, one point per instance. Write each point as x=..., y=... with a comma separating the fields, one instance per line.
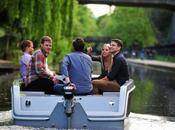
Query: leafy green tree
x=84, y=23
x=31, y=19
x=103, y=23
x=131, y=25
x=161, y=20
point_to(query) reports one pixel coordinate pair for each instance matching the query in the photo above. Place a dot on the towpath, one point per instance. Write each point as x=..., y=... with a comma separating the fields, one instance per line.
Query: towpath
x=5, y=64
x=155, y=63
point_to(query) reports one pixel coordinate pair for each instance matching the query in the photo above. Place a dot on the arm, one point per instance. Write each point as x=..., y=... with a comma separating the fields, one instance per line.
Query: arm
x=94, y=58
x=24, y=62
x=23, y=70
x=40, y=67
x=64, y=68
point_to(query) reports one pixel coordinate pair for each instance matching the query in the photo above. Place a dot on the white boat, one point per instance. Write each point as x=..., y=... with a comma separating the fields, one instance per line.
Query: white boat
x=93, y=112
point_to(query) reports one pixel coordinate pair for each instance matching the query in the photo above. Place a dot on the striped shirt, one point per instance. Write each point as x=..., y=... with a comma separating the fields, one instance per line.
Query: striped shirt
x=38, y=67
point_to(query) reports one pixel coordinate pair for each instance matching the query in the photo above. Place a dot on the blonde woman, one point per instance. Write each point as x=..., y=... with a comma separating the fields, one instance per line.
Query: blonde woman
x=105, y=58
x=118, y=73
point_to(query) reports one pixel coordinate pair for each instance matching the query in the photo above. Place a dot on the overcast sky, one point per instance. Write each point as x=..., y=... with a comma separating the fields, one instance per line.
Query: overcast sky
x=98, y=9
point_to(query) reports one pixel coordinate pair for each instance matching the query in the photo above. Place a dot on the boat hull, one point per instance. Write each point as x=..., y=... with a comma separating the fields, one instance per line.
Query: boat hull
x=107, y=111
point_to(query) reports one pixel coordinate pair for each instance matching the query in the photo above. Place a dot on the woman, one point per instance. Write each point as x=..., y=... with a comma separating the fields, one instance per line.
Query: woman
x=105, y=58
x=27, y=49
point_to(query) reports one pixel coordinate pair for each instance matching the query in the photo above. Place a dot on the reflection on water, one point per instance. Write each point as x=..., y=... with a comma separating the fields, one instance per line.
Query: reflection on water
x=6, y=80
x=155, y=90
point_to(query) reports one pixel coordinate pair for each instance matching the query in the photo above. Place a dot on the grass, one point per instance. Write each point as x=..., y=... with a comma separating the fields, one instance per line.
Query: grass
x=165, y=58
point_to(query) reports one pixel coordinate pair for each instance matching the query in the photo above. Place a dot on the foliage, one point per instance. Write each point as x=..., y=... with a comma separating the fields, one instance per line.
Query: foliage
x=161, y=21
x=62, y=48
x=165, y=58
x=65, y=20
x=31, y=19
x=129, y=24
x=104, y=22
x=84, y=23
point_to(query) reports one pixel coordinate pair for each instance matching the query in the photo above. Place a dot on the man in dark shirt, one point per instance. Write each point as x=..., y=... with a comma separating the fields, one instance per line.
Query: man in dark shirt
x=118, y=73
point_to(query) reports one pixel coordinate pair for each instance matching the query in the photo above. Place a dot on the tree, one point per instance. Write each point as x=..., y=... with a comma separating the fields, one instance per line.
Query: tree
x=31, y=19
x=161, y=21
x=131, y=25
x=84, y=23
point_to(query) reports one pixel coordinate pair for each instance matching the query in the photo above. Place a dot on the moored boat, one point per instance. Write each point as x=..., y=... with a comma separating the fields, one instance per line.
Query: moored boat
x=103, y=112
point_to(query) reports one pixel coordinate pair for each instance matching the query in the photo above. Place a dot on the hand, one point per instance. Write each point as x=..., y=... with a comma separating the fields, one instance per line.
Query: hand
x=89, y=50
x=55, y=80
x=67, y=80
x=52, y=72
x=72, y=85
x=105, y=78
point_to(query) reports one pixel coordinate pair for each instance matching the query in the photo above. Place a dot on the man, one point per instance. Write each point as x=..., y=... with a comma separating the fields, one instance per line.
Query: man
x=27, y=49
x=40, y=78
x=77, y=67
x=118, y=73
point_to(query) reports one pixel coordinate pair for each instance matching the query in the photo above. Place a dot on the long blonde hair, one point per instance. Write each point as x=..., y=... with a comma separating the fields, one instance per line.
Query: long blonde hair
x=108, y=59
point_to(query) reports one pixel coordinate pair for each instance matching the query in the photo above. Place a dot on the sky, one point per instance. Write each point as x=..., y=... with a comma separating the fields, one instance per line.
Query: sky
x=99, y=10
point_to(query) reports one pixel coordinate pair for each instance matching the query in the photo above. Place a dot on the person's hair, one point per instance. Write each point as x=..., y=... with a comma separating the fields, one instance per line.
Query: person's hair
x=24, y=44
x=106, y=45
x=119, y=42
x=78, y=44
x=46, y=38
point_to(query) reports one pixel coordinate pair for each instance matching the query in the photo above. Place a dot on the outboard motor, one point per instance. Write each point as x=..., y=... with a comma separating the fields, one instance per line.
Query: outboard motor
x=69, y=102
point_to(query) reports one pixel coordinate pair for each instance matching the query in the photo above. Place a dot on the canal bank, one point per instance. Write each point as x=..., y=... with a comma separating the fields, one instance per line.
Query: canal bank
x=7, y=65
x=4, y=64
x=161, y=64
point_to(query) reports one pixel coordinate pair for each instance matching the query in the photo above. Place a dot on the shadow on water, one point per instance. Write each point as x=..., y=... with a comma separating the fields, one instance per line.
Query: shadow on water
x=6, y=80
x=155, y=90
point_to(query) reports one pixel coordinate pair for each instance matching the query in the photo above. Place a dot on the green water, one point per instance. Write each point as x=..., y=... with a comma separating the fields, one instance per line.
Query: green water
x=154, y=93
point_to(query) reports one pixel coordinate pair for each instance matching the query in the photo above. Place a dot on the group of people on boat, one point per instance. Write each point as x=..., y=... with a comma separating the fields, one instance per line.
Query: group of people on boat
x=76, y=68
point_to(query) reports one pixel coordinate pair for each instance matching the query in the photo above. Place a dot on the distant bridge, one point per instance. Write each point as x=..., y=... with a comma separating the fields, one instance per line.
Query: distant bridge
x=97, y=39
x=166, y=4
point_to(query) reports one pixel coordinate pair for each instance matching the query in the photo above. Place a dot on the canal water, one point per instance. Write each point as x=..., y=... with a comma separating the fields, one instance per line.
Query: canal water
x=154, y=93
x=152, y=105
x=6, y=79
x=155, y=90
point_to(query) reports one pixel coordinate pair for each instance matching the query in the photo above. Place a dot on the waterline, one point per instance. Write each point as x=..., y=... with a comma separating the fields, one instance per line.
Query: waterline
x=133, y=122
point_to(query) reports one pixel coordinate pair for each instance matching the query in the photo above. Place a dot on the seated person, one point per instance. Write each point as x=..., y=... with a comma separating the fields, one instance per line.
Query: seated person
x=77, y=67
x=105, y=59
x=27, y=49
x=40, y=78
x=118, y=74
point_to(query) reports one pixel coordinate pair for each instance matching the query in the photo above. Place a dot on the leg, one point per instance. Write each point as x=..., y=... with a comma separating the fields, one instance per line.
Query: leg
x=41, y=84
x=106, y=85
